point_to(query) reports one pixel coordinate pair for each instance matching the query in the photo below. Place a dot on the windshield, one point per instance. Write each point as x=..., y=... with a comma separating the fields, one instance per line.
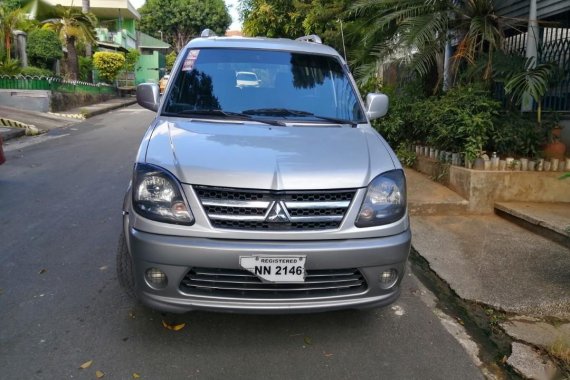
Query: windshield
x=268, y=84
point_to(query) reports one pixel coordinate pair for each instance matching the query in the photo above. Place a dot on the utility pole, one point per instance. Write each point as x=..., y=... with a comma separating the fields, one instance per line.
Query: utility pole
x=531, y=49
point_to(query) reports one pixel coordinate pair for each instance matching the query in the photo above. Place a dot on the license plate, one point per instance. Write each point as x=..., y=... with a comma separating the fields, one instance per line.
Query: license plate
x=277, y=269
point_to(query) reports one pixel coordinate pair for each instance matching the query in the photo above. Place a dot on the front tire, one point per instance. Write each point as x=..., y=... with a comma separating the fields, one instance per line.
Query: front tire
x=125, y=272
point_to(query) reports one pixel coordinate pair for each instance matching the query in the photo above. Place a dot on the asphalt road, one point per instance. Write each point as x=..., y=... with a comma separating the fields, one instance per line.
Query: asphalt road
x=61, y=305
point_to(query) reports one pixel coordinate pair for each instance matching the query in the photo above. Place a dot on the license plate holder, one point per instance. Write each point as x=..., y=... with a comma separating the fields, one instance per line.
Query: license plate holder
x=275, y=269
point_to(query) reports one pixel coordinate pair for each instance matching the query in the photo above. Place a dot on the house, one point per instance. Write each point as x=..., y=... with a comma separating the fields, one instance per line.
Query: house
x=117, y=31
x=152, y=61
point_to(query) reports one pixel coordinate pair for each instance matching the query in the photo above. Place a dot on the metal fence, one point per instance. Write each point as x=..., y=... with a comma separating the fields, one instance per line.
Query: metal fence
x=554, y=47
x=53, y=84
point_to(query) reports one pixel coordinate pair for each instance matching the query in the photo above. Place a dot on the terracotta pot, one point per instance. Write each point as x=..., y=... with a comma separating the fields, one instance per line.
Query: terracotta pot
x=555, y=149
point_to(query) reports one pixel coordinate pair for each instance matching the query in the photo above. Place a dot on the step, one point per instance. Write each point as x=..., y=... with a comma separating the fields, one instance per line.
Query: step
x=427, y=197
x=551, y=220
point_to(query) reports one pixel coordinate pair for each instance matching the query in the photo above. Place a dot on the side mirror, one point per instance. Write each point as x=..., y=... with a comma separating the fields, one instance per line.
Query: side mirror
x=148, y=96
x=376, y=105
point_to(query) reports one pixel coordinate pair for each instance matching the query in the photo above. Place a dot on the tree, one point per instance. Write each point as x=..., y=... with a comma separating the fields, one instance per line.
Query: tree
x=44, y=48
x=71, y=24
x=419, y=30
x=109, y=64
x=181, y=20
x=10, y=19
x=271, y=18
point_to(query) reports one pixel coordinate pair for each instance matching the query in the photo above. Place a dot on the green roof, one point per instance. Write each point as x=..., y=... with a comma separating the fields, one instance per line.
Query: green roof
x=149, y=42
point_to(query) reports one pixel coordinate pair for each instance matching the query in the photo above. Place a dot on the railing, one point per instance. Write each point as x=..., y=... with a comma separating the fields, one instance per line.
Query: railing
x=53, y=84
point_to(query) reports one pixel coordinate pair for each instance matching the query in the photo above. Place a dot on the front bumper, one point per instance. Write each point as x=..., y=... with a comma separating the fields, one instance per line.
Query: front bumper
x=175, y=256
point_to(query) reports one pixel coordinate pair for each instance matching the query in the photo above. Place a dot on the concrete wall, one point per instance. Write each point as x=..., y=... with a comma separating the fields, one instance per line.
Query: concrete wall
x=31, y=100
x=484, y=188
x=46, y=101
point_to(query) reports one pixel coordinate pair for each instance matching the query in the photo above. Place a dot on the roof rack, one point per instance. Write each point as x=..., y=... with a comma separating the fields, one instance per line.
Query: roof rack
x=207, y=33
x=310, y=38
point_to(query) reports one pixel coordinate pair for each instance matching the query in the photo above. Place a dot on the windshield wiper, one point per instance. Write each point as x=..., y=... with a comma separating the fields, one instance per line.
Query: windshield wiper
x=228, y=114
x=276, y=112
x=291, y=112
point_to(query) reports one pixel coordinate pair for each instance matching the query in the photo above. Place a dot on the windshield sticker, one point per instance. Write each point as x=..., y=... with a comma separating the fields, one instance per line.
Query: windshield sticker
x=190, y=60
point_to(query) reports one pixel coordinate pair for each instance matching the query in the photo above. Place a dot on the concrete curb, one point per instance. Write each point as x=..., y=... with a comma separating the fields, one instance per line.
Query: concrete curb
x=69, y=115
x=110, y=108
x=90, y=113
x=30, y=130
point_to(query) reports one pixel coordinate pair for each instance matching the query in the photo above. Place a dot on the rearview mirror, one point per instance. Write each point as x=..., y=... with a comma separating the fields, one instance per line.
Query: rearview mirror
x=147, y=96
x=376, y=105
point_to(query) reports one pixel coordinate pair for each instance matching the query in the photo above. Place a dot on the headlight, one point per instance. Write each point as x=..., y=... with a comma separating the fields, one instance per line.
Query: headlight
x=385, y=200
x=157, y=195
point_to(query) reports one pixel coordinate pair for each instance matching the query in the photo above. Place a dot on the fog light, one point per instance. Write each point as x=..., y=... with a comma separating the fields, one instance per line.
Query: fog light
x=388, y=278
x=156, y=277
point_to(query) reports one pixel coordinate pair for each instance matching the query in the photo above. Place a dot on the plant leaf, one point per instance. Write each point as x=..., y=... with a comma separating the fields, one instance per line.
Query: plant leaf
x=136, y=375
x=86, y=364
x=99, y=374
x=173, y=327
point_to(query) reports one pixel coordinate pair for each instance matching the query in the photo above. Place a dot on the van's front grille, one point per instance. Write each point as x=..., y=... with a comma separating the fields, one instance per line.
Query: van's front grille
x=241, y=283
x=274, y=210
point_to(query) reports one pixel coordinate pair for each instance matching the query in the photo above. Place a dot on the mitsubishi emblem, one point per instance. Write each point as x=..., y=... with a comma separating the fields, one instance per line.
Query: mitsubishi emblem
x=278, y=213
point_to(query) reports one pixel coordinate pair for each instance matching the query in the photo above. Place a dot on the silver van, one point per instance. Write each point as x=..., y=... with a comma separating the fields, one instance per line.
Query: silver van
x=273, y=198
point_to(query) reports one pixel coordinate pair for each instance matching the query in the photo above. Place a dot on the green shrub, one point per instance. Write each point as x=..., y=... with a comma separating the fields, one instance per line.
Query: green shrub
x=460, y=120
x=406, y=157
x=9, y=67
x=515, y=135
x=44, y=48
x=170, y=59
x=108, y=64
x=36, y=72
x=131, y=59
x=85, y=67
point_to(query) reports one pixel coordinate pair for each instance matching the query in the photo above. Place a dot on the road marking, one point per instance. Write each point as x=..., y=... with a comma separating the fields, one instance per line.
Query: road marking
x=24, y=143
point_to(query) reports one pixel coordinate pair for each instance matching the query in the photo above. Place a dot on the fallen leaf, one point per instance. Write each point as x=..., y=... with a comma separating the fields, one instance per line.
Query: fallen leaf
x=173, y=327
x=104, y=267
x=327, y=355
x=99, y=374
x=42, y=271
x=136, y=375
x=308, y=340
x=86, y=364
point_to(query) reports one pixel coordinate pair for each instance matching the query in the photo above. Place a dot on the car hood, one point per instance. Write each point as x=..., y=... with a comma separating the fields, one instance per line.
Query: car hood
x=260, y=156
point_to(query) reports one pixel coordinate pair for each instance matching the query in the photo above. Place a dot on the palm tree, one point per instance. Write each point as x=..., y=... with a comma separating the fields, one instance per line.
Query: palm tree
x=72, y=24
x=9, y=20
x=420, y=29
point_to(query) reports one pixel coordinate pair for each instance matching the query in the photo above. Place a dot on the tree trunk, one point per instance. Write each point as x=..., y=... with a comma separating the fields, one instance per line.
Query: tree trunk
x=72, y=67
x=85, y=8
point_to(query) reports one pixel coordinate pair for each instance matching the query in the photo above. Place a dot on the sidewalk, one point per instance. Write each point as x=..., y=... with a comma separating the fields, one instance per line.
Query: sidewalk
x=489, y=260
x=48, y=121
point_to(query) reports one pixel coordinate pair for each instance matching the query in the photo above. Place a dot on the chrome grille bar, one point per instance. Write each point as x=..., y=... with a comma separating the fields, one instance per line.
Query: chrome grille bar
x=233, y=203
x=317, y=205
x=239, y=283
